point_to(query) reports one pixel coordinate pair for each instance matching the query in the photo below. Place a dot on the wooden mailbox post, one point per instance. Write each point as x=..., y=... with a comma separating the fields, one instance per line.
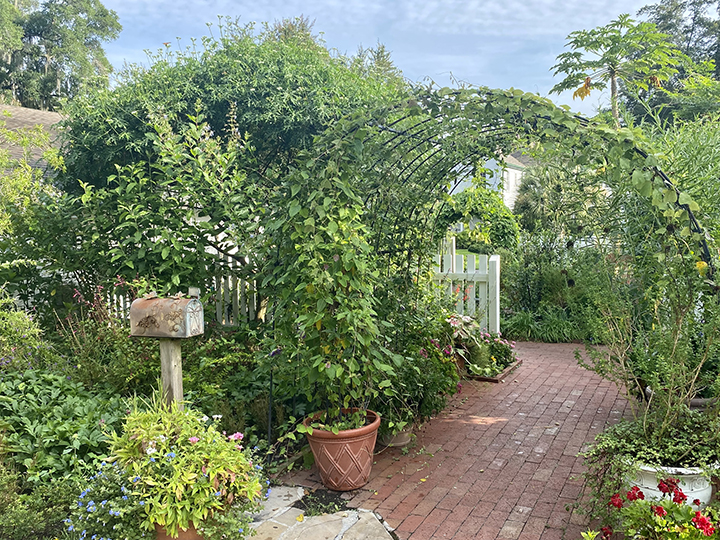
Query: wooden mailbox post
x=170, y=320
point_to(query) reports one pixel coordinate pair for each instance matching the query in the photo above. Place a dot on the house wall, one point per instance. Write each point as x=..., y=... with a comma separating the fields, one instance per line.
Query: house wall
x=507, y=181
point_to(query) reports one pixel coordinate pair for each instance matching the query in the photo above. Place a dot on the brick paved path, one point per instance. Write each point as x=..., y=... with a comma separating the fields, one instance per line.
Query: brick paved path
x=500, y=461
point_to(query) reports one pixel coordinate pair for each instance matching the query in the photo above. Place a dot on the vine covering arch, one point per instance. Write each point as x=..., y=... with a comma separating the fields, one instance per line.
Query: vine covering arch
x=364, y=206
x=403, y=161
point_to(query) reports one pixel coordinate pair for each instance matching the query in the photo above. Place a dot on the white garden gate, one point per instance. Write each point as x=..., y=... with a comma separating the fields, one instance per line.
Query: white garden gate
x=473, y=281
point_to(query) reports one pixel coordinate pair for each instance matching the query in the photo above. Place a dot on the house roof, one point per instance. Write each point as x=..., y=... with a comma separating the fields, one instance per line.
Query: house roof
x=519, y=160
x=23, y=118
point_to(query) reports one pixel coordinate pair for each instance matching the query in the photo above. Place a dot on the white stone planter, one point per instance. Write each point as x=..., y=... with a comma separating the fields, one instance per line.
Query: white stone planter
x=398, y=440
x=691, y=481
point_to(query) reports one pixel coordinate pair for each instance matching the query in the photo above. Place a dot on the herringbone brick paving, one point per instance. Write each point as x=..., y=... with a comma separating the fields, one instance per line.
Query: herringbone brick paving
x=501, y=461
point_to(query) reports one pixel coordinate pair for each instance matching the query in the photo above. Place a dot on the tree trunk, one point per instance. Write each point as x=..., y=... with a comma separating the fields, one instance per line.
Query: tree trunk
x=614, y=99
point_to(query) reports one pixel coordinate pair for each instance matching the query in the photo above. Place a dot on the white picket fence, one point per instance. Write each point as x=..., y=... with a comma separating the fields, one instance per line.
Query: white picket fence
x=236, y=300
x=473, y=281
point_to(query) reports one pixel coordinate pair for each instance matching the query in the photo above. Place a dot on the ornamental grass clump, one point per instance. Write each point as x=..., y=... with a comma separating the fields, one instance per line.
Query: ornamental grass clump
x=673, y=517
x=187, y=473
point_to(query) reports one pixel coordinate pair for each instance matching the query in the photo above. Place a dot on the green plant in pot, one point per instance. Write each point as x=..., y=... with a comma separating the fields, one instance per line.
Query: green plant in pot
x=662, y=322
x=483, y=354
x=192, y=480
x=325, y=321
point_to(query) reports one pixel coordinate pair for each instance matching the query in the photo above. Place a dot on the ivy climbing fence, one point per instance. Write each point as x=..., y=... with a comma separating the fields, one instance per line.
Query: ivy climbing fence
x=473, y=281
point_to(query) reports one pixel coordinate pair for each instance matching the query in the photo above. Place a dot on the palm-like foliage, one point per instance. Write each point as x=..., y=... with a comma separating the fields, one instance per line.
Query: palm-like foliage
x=636, y=54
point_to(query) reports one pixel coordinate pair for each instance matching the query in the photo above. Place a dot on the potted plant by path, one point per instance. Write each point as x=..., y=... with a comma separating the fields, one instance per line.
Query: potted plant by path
x=671, y=516
x=340, y=355
x=191, y=480
x=325, y=319
x=481, y=355
x=663, y=326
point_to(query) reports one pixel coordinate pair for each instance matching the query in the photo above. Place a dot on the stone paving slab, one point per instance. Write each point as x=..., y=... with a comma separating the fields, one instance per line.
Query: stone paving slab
x=279, y=520
x=501, y=461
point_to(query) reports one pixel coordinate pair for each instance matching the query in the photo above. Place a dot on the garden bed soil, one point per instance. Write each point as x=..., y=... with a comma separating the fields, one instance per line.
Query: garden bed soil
x=500, y=377
x=321, y=501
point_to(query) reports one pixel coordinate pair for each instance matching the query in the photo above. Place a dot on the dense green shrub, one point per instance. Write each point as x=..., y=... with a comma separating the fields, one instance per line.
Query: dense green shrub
x=286, y=89
x=53, y=427
x=551, y=290
x=100, y=354
x=423, y=381
x=35, y=512
x=21, y=343
x=416, y=331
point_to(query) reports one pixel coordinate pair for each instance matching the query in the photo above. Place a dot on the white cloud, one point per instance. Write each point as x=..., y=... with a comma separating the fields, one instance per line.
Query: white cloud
x=498, y=43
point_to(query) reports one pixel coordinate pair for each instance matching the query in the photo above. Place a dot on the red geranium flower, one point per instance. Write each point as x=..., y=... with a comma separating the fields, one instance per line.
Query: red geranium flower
x=678, y=496
x=671, y=484
x=697, y=502
x=616, y=501
x=635, y=493
x=703, y=524
x=606, y=532
x=659, y=511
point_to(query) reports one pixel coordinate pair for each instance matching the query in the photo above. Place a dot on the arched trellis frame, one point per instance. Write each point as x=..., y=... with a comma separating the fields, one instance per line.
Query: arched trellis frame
x=407, y=156
x=365, y=203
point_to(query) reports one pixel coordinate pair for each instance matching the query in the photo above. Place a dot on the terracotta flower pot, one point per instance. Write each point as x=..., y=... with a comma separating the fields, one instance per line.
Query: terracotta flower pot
x=183, y=534
x=344, y=460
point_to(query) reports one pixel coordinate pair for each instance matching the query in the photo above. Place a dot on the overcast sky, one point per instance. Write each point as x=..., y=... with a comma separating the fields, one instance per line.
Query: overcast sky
x=495, y=43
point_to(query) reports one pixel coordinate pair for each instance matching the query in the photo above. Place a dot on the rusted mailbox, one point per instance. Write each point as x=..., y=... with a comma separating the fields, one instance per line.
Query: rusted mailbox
x=174, y=317
x=169, y=319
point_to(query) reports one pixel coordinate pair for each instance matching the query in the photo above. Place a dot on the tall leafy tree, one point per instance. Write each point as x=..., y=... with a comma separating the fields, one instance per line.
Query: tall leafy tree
x=10, y=31
x=60, y=48
x=623, y=51
x=10, y=39
x=284, y=85
x=693, y=25
x=181, y=159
